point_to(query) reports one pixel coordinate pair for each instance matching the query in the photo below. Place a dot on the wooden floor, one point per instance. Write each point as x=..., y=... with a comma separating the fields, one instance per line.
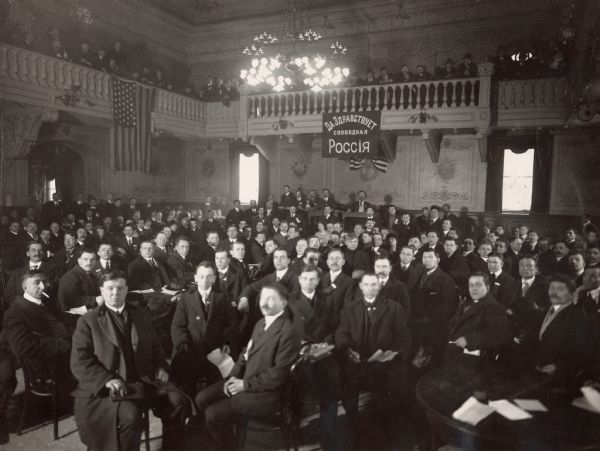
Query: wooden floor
x=38, y=436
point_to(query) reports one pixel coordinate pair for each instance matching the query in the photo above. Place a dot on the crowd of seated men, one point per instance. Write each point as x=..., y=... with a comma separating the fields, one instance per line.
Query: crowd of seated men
x=269, y=283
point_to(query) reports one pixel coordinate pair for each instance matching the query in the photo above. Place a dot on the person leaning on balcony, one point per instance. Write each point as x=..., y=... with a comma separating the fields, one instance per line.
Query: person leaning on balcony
x=467, y=68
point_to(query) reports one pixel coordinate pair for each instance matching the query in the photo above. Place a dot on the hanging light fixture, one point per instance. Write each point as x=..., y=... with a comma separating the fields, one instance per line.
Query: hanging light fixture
x=293, y=58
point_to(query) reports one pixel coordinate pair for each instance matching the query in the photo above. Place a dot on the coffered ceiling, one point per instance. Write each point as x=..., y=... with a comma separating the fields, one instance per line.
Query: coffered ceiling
x=199, y=12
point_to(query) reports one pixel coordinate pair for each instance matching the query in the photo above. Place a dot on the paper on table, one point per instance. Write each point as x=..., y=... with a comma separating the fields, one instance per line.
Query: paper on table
x=472, y=411
x=475, y=352
x=78, y=310
x=509, y=411
x=169, y=292
x=583, y=403
x=222, y=361
x=380, y=356
x=148, y=291
x=531, y=405
x=592, y=396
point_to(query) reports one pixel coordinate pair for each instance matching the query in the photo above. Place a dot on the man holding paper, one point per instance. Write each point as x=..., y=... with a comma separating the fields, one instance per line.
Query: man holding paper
x=204, y=321
x=374, y=341
x=254, y=385
x=316, y=317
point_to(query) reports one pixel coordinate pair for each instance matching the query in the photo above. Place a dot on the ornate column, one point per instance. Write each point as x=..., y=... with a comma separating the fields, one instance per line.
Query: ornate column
x=19, y=130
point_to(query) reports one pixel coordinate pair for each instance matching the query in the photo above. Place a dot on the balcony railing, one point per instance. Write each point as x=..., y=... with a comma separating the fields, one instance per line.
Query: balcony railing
x=397, y=96
x=57, y=76
x=533, y=93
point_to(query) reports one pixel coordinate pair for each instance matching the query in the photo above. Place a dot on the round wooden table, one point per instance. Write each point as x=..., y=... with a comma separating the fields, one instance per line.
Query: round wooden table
x=563, y=427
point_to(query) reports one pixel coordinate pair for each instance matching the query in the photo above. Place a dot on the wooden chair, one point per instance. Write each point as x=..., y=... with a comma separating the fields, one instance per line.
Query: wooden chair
x=47, y=388
x=286, y=420
x=146, y=419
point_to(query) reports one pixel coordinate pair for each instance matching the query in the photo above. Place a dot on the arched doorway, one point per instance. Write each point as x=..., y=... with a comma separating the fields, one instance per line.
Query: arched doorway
x=54, y=166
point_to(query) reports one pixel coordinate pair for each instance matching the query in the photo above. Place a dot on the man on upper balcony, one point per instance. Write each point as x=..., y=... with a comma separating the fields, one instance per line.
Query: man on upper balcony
x=467, y=68
x=287, y=198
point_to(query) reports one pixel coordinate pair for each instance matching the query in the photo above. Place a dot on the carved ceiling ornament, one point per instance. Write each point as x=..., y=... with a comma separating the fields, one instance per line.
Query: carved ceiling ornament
x=21, y=128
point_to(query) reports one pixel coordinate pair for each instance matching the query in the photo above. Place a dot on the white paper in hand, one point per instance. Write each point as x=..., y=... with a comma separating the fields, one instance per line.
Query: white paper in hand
x=472, y=411
x=376, y=356
x=222, y=361
x=531, y=405
x=592, y=396
x=78, y=310
x=509, y=411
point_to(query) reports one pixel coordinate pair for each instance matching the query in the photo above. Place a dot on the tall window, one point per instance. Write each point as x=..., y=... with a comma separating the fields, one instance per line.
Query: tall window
x=50, y=188
x=517, y=181
x=248, y=178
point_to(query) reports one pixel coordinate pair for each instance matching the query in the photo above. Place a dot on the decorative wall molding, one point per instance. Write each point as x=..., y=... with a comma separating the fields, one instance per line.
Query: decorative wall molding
x=20, y=130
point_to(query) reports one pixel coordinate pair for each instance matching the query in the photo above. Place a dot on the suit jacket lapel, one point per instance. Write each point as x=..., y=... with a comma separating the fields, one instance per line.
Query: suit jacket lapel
x=267, y=334
x=380, y=311
x=108, y=328
x=135, y=325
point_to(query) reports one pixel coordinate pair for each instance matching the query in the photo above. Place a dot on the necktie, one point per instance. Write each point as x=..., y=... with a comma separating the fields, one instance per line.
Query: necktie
x=423, y=280
x=524, y=288
x=128, y=241
x=404, y=268
x=35, y=267
x=107, y=264
x=277, y=279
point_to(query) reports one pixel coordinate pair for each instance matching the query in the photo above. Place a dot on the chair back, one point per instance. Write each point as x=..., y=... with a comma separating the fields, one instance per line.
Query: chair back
x=291, y=397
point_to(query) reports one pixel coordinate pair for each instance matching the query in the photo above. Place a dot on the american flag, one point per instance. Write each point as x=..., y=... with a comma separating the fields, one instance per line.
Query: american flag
x=132, y=113
x=380, y=164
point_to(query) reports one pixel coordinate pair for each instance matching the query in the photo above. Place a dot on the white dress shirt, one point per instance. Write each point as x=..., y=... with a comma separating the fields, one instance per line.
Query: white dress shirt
x=270, y=319
x=32, y=299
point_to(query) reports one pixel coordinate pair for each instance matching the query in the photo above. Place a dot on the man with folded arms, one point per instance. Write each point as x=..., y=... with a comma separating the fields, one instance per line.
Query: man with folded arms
x=204, y=320
x=254, y=386
x=115, y=353
x=370, y=324
x=316, y=316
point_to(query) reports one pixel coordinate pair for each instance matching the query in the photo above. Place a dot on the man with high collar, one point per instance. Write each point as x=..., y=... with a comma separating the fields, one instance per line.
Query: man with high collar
x=253, y=387
x=389, y=287
x=179, y=264
x=115, y=348
x=35, y=262
x=106, y=261
x=335, y=283
x=204, y=320
x=502, y=285
x=235, y=215
x=145, y=272
x=355, y=258
x=532, y=295
x=360, y=205
x=407, y=270
x=455, y=264
x=228, y=279
x=370, y=324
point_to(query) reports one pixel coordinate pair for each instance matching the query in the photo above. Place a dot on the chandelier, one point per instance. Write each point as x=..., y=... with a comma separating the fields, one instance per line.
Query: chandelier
x=295, y=57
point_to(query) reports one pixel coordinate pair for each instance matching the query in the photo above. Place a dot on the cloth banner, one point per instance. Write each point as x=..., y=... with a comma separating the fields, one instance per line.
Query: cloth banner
x=351, y=135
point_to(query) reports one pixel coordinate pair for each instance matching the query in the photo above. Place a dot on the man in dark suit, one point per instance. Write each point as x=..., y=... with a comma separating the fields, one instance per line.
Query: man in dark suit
x=257, y=253
x=433, y=244
x=210, y=224
x=79, y=286
x=327, y=199
x=407, y=271
x=204, y=320
x=316, y=316
x=390, y=288
x=360, y=205
x=404, y=229
x=355, y=258
x=235, y=215
x=52, y=211
x=162, y=248
x=106, y=261
x=145, y=272
x=79, y=207
x=179, y=264
x=480, y=324
x=34, y=328
x=558, y=343
x=478, y=260
x=66, y=258
x=336, y=284
x=237, y=251
x=589, y=294
x=532, y=296
x=434, y=303
x=374, y=323
x=115, y=348
x=512, y=255
x=287, y=198
x=228, y=280
x=282, y=274
x=455, y=265
x=128, y=245
x=253, y=388
x=35, y=257
x=559, y=262
x=502, y=285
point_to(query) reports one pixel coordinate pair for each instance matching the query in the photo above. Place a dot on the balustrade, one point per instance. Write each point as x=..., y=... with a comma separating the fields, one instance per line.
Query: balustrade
x=532, y=93
x=397, y=96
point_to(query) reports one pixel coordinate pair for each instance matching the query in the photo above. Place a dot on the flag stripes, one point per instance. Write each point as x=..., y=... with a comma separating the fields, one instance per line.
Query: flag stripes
x=132, y=112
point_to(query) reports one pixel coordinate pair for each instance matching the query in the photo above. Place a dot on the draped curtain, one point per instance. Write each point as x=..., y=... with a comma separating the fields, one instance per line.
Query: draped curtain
x=542, y=168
